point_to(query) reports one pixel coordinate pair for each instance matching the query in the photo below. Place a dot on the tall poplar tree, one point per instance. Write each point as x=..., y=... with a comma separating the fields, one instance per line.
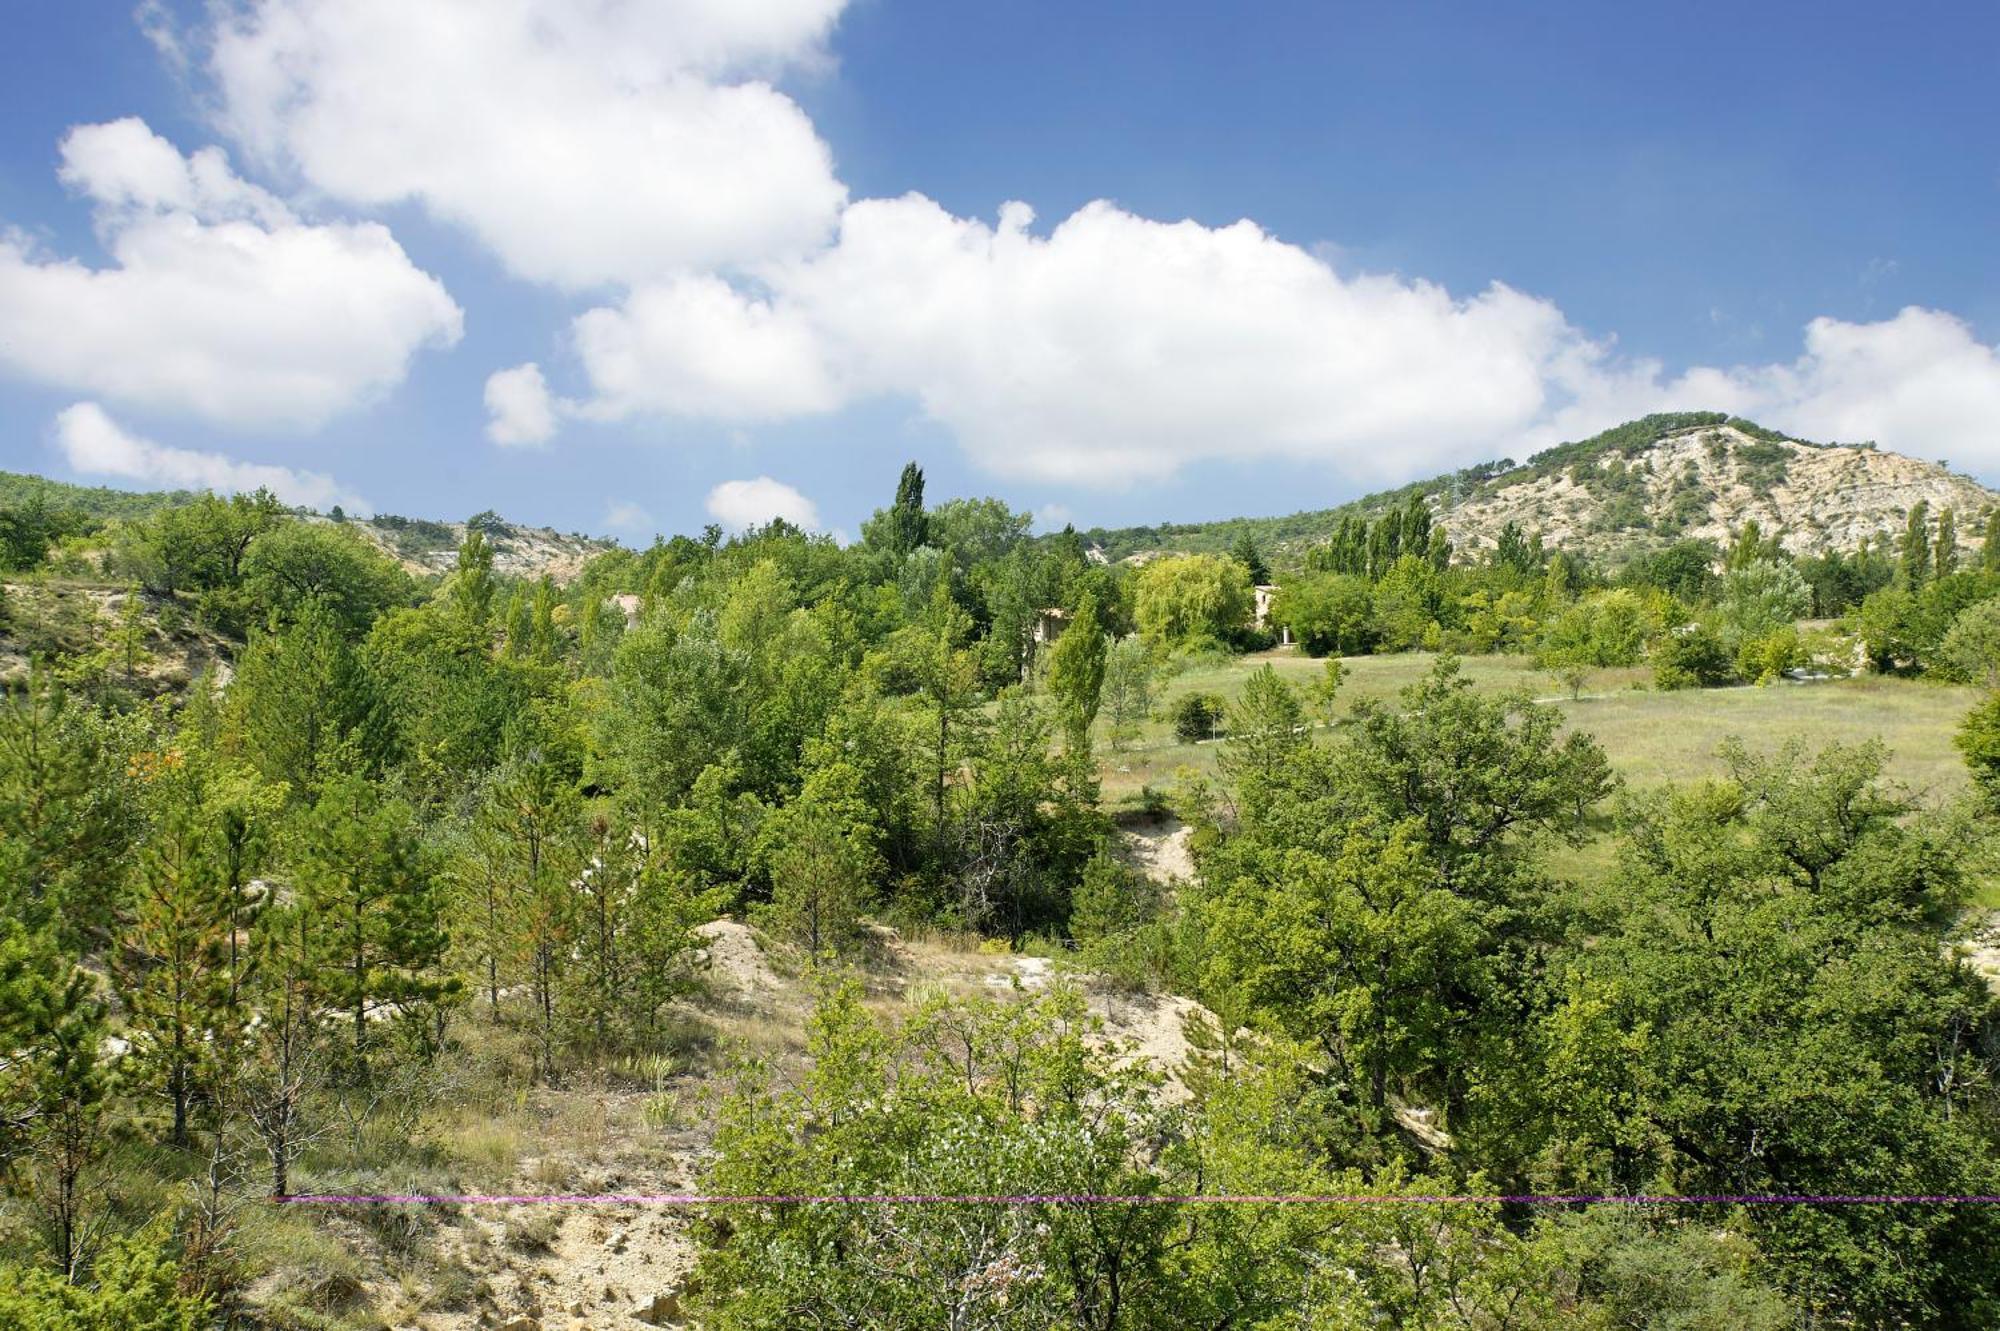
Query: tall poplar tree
x=909, y=527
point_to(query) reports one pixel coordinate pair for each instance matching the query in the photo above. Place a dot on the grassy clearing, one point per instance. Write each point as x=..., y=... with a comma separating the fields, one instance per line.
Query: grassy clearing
x=1651, y=737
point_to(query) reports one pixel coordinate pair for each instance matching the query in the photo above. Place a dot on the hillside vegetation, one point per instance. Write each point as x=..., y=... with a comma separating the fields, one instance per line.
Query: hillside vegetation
x=765, y=867
x=1630, y=489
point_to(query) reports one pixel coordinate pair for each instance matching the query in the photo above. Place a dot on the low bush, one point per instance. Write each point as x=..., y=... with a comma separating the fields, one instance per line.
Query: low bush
x=1197, y=716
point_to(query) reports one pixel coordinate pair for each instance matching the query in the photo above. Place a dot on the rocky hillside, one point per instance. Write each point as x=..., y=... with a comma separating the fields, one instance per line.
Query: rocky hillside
x=426, y=547
x=1641, y=485
x=1707, y=482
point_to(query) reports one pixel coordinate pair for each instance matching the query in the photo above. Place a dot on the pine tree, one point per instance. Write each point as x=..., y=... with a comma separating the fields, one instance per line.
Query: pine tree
x=54, y=1089
x=364, y=879
x=518, y=624
x=1246, y=553
x=606, y=889
x=528, y=825
x=300, y=701
x=946, y=675
x=542, y=641
x=821, y=849
x=176, y=970
x=288, y=1053
x=67, y=819
x=131, y=634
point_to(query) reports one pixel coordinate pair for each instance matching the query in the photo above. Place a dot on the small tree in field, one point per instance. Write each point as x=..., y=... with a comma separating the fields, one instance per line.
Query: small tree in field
x=1131, y=682
x=1571, y=672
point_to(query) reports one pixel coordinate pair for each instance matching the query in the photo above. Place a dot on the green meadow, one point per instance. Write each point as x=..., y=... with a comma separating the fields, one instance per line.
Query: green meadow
x=1652, y=737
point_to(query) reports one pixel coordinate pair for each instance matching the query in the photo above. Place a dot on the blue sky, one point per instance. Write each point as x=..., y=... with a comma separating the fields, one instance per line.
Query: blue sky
x=762, y=243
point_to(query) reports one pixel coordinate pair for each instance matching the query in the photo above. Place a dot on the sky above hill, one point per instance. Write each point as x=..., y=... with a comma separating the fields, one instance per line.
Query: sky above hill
x=625, y=267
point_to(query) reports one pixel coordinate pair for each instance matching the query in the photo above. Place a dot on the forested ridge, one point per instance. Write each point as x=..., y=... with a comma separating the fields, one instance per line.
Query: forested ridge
x=419, y=846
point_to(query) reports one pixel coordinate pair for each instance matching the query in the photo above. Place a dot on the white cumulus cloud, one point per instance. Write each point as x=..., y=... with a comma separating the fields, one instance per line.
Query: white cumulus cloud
x=1117, y=350
x=583, y=141
x=220, y=302
x=1113, y=350
x=696, y=347
x=740, y=504
x=96, y=445
x=520, y=413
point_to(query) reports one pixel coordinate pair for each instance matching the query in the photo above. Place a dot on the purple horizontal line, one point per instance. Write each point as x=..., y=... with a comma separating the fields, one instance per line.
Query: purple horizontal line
x=1133, y=1199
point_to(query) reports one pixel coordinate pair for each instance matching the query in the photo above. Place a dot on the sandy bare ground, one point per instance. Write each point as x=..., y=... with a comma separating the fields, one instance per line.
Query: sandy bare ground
x=1158, y=847
x=580, y=1267
x=1982, y=951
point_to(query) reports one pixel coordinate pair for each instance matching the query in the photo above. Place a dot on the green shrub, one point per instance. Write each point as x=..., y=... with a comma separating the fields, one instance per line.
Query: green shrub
x=134, y=1287
x=1766, y=658
x=1196, y=716
x=1691, y=658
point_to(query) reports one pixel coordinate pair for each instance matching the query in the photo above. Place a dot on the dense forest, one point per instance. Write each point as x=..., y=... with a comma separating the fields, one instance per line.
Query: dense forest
x=251, y=928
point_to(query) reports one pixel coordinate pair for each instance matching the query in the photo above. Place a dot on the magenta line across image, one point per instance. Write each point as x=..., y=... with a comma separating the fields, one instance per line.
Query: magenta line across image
x=1139, y=1199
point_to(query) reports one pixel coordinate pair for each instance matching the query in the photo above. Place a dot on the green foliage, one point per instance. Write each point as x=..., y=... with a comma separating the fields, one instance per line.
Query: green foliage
x=1684, y=570
x=823, y=861
x=1245, y=552
x=908, y=527
x=1914, y=564
x=30, y=528
x=1409, y=604
x=1757, y=599
x=1779, y=979
x=1076, y=672
x=1608, y=628
x=1192, y=601
x=374, y=905
x=1765, y=659
x=200, y=546
x=1690, y=657
x=1979, y=740
x=302, y=705
x=285, y=886
x=68, y=817
x=1970, y=652
x=1267, y=727
x=1195, y=716
x=297, y=562
x=471, y=588
x=1131, y=680
x=1355, y=946
x=1480, y=774
x=1328, y=613
x=135, y=1286
x=1114, y=917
